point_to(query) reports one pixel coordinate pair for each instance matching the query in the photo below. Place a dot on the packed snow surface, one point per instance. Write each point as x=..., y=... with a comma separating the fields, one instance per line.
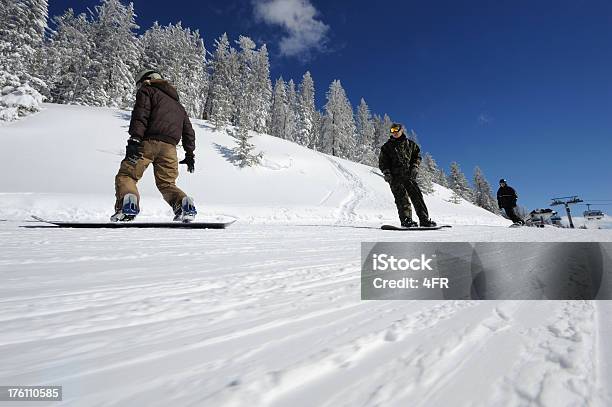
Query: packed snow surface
x=267, y=312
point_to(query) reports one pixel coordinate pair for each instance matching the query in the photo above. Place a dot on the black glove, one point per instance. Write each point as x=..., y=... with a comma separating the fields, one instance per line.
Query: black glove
x=189, y=161
x=388, y=177
x=133, y=151
x=413, y=172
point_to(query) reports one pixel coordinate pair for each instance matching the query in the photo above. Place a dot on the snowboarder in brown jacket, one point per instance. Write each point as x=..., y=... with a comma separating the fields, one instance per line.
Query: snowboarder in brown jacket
x=159, y=122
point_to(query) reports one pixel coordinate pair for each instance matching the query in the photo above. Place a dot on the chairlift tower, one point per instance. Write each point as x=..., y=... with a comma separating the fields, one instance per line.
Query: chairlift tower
x=567, y=201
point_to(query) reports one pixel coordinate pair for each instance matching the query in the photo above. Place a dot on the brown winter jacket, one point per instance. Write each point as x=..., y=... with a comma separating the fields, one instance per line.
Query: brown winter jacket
x=158, y=115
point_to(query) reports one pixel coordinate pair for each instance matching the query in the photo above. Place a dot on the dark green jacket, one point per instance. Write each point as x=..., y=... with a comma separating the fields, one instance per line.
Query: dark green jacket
x=398, y=155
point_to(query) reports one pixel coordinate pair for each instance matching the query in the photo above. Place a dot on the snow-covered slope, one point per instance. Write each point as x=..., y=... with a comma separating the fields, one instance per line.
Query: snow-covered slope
x=62, y=161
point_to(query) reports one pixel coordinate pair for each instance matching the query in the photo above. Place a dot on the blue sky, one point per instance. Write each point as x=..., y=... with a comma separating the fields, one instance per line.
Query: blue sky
x=523, y=88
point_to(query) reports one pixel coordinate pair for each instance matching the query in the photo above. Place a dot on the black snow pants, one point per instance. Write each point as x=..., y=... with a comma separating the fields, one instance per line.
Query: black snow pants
x=405, y=190
x=511, y=212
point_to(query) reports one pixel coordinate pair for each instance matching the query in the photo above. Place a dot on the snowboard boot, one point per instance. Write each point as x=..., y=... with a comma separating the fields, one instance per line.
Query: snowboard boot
x=129, y=210
x=408, y=223
x=186, y=212
x=428, y=223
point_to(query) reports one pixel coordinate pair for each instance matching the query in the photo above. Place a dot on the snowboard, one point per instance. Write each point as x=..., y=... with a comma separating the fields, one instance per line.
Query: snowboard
x=393, y=227
x=516, y=225
x=136, y=224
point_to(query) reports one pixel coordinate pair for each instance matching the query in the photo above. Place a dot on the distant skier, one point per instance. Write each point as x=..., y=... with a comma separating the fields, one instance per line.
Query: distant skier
x=399, y=162
x=159, y=122
x=506, y=199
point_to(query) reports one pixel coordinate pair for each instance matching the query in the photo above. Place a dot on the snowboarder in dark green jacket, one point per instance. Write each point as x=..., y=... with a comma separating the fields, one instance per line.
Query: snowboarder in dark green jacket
x=399, y=162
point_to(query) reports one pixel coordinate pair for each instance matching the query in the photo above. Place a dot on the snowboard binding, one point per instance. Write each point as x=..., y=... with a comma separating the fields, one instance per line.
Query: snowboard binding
x=128, y=211
x=186, y=212
x=408, y=223
x=428, y=223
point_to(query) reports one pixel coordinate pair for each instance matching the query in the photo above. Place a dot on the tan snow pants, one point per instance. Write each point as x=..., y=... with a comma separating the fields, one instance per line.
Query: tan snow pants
x=165, y=169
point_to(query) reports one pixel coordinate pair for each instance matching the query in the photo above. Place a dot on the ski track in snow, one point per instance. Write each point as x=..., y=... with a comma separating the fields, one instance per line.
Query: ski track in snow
x=356, y=192
x=272, y=316
x=556, y=363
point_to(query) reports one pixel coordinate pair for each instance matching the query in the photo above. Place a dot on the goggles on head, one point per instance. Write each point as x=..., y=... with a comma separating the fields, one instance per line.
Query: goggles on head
x=396, y=129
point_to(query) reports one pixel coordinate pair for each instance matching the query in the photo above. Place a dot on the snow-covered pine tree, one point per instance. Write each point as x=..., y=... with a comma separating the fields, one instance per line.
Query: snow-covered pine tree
x=244, y=151
x=458, y=183
x=235, y=84
x=263, y=90
x=278, y=112
x=219, y=103
x=381, y=132
x=431, y=166
x=179, y=54
x=9, y=42
x=377, y=121
x=246, y=98
x=316, y=142
x=245, y=93
x=454, y=198
x=425, y=176
x=441, y=178
x=209, y=91
x=307, y=127
x=365, y=136
x=338, y=132
x=412, y=135
x=291, y=118
x=116, y=57
x=22, y=31
x=483, y=196
x=69, y=58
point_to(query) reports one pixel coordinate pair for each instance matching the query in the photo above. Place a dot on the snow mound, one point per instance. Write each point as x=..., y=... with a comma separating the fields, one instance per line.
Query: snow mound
x=17, y=99
x=68, y=157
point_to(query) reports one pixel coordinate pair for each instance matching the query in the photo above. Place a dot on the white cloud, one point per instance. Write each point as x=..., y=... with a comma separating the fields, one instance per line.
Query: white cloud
x=304, y=31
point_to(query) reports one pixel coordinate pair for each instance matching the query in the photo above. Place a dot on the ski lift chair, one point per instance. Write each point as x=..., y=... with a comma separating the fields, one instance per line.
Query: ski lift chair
x=593, y=214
